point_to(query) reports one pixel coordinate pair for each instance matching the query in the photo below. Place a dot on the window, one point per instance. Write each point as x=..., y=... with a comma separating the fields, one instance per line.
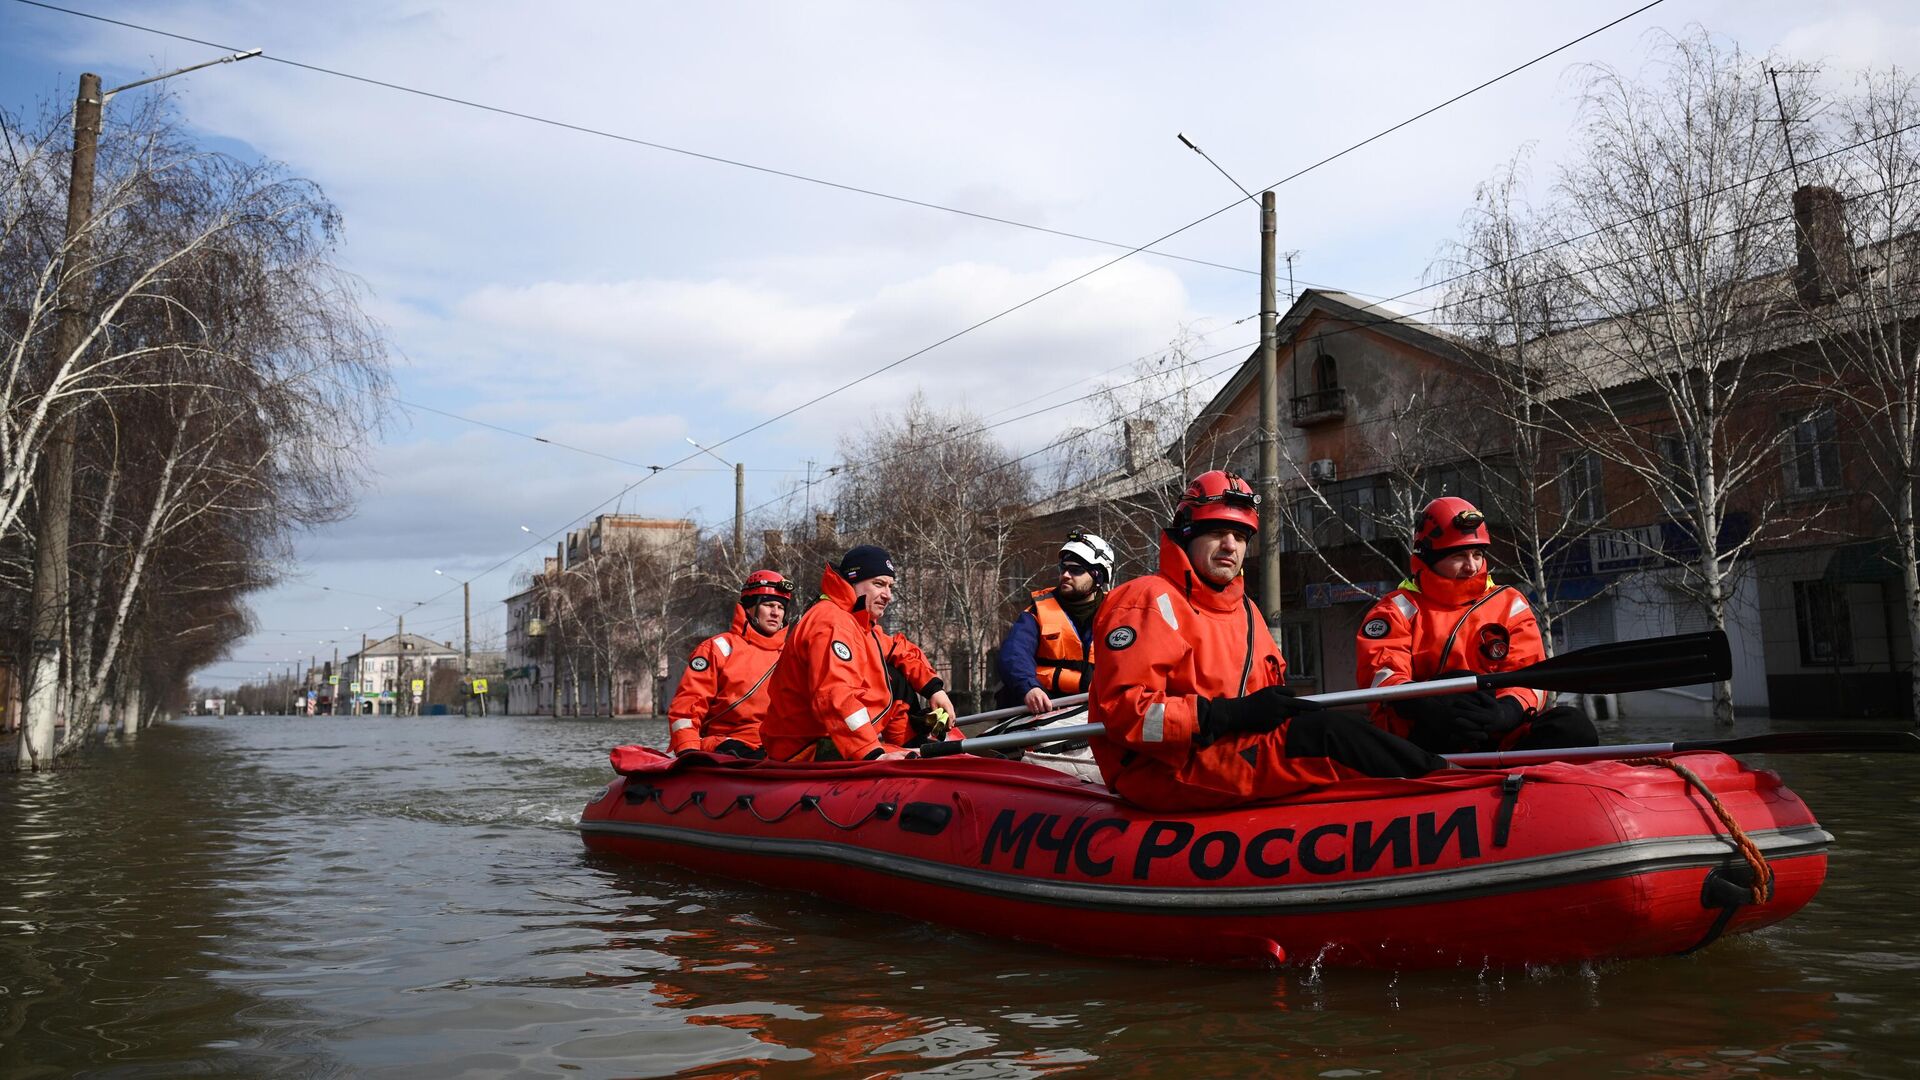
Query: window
x=1299, y=646
x=1826, y=635
x=1326, y=373
x=1812, y=450
x=1580, y=493
x=1297, y=535
x=1676, y=467
x=1356, y=511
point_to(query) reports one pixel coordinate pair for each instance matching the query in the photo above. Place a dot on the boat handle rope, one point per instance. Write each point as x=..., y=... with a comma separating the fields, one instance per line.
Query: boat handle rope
x=1750, y=851
x=698, y=800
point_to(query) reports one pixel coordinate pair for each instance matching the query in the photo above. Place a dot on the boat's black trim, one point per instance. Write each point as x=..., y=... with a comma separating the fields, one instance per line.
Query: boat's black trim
x=1424, y=887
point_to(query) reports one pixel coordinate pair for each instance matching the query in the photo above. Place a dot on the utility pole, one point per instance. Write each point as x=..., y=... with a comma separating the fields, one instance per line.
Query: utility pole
x=401, y=687
x=466, y=644
x=333, y=692
x=1269, y=420
x=360, y=674
x=48, y=615
x=55, y=490
x=740, y=514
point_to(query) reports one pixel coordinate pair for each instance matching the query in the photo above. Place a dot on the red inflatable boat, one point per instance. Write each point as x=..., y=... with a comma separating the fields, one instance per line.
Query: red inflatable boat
x=1543, y=864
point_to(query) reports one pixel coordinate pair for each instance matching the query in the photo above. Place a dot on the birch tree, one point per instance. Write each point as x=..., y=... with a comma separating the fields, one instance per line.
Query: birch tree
x=1675, y=209
x=225, y=382
x=1865, y=307
x=1510, y=298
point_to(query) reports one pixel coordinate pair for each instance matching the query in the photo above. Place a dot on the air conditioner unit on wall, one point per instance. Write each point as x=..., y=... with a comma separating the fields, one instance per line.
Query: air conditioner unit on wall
x=1322, y=469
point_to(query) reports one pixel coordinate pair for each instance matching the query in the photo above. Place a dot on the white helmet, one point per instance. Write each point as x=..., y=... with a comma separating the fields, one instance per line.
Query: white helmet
x=1093, y=551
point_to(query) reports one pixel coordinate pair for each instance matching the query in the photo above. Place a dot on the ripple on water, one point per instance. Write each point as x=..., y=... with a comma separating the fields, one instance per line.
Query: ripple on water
x=409, y=899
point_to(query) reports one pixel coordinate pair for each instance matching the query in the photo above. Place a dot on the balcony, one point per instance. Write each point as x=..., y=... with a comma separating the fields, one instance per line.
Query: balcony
x=1319, y=407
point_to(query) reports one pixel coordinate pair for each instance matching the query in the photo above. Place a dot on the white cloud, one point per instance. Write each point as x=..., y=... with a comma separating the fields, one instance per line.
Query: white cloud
x=621, y=297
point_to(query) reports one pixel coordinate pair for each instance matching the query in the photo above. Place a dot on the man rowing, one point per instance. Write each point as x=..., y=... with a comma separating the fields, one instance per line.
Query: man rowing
x=721, y=698
x=1191, y=686
x=1450, y=618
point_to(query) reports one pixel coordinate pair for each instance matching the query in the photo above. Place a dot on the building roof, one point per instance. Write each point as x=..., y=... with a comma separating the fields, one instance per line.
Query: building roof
x=1336, y=305
x=415, y=646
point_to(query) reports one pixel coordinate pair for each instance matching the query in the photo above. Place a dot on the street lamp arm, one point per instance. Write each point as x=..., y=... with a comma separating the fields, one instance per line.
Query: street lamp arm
x=709, y=453
x=248, y=55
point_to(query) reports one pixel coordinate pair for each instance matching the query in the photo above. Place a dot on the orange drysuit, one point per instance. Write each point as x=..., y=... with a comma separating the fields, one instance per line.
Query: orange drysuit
x=1165, y=641
x=723, y=694
x=831, y=682
x=901, y=655
x=1432, y=624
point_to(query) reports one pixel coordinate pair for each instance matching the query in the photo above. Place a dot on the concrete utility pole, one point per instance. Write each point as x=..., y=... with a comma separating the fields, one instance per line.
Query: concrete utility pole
x=333, y=692
x=466, y=644
x=360, y=674
x=1269, y=420
x=55, y=490
x=739, y=501
x=401, y=687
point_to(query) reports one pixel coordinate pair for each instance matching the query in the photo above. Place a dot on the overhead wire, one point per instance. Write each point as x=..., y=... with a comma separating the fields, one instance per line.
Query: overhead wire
x=584, y=129
x=1127, y=253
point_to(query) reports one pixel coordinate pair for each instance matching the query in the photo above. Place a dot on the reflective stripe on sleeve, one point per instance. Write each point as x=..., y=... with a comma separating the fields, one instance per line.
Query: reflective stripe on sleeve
x=681, y=725
x=1165, y=603
x=858, y=719
x=1381, y=676
x=1519, y=605
x=1154, y=729
x=721, y=643
x=1405, y=605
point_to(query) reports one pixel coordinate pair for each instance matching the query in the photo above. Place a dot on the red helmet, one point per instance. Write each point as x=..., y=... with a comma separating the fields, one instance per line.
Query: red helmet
x=1216, y=498
x=1448, y=523
x=766, y=583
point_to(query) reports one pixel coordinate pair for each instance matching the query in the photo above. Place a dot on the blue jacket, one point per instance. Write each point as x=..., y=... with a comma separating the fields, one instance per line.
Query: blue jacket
x=1017, y=669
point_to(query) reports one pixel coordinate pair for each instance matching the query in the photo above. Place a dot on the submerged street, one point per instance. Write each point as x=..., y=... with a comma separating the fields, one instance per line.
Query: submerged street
x=340, y=897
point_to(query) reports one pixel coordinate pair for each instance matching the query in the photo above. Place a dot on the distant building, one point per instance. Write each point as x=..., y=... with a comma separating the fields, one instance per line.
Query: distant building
x=389, y=666
x=562, y=646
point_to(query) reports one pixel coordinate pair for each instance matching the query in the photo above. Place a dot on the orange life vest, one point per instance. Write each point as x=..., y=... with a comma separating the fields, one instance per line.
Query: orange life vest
x=1062, y=662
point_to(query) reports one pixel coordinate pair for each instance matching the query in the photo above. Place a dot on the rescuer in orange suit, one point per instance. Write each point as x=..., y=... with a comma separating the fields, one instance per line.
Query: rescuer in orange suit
x=1191, y=686
x=830, y=696
x=722, y=694
x=1450, y=618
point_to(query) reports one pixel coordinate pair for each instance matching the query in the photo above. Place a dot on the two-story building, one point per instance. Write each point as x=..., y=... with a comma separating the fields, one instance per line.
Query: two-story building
x=571, y=633
x=386, y=669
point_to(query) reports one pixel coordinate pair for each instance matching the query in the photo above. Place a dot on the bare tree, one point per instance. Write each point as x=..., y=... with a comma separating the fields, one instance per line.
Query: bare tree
x=1860, y=290
x=226, y=380
x=1674, y=209
x=1509, y=298
x=943, y=497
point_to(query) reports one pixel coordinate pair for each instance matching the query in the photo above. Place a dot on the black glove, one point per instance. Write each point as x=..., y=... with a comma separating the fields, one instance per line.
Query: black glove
x=1448, y=723
x=1496, y=715
x=1260, y=711
x=740, y=750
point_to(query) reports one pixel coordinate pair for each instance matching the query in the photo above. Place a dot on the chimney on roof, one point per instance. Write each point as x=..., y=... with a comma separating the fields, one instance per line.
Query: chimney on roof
x=823, y=525
x=773, y=541
x=1825, y=270
x=1141, y=445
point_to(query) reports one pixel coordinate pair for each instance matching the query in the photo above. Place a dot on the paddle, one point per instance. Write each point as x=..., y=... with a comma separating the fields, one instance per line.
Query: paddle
x=1615, y=668
x=1778, y=742
x=982, y=719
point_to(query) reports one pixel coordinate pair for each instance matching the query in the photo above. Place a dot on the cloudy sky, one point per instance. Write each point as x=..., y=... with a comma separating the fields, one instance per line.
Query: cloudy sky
x=622, y=298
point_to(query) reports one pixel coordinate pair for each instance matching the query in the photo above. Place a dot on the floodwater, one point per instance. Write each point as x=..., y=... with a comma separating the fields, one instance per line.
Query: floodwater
x=407, y=898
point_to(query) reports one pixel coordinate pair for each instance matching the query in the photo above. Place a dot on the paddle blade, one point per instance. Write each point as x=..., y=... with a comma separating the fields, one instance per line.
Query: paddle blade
x=1624, y=666
x=1813, y=742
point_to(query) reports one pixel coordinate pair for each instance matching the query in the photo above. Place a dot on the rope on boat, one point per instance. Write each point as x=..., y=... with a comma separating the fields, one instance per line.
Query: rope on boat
x=698, y=800
x=1750, y=851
